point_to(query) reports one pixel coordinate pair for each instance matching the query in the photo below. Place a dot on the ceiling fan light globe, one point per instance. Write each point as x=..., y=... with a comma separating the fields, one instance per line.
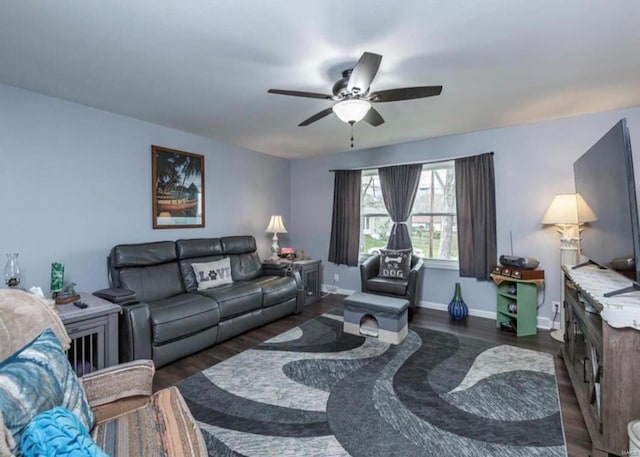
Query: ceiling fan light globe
x=351, y=110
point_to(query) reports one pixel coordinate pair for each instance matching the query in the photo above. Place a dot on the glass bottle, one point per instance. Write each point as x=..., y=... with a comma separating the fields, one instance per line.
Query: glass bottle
x=12, y=274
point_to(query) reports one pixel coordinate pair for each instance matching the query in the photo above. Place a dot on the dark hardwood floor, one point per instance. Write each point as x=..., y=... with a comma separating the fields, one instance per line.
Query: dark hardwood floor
x=578, y=442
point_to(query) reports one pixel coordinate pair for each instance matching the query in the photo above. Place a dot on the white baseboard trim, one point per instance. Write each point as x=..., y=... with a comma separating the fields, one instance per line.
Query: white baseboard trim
x=544, y=323
x=326, y=288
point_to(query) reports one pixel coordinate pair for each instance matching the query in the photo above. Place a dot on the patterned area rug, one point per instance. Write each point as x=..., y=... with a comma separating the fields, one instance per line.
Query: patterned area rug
x=314, y=391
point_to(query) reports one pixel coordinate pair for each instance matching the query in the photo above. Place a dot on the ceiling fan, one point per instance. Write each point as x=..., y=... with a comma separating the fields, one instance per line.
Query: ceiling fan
x=353, y=96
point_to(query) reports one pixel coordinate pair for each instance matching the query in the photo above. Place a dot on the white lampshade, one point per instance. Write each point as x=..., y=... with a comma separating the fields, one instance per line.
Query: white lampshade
x=564, y=210
x=276, y=225
x=351, y=110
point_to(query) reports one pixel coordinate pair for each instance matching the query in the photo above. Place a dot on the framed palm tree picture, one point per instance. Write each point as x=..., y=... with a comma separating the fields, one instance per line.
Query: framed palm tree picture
x=178, y=188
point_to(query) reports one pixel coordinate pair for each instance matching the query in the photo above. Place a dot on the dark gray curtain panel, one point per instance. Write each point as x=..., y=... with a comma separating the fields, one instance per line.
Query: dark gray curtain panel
x=345, y=224
x=476, y=208
x=399, y=185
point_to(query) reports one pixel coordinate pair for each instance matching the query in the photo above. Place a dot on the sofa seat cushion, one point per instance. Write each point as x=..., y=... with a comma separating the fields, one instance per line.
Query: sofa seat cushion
x=387, y=286
x=164, y=427
x=276, y=289
x=182, y=315
x=234, y=299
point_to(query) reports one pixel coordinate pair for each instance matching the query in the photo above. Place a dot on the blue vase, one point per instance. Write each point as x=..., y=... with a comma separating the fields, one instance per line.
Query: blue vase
x=457, y=308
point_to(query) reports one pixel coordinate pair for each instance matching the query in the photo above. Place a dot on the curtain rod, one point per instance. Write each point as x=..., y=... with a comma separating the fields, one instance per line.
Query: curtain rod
x=405, y=163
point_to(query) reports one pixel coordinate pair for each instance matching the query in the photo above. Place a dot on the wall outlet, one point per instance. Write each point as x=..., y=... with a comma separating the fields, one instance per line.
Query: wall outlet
x=556, y=306
x=336, y=277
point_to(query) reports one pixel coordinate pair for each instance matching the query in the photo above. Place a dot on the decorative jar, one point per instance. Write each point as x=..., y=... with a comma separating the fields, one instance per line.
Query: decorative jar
x=457, y=308
x=57, y=276
x=12, y=276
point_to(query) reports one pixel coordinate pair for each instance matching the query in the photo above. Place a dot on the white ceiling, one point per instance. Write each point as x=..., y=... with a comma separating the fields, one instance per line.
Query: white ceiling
x=204, y=66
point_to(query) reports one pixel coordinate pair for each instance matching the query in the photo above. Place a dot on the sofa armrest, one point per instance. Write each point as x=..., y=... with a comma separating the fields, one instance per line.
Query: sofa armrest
x=417, y=267
x=117, y=390
x=117, y=295
x=135, y=332
x=274, y=268
x=302, y=293
x=119, y=382
x=413, y=289
x=368, y=269
x=283, y=269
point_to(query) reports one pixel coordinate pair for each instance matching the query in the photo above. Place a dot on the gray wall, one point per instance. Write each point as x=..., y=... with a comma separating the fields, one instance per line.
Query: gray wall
x=74, y=181
x=533, y=163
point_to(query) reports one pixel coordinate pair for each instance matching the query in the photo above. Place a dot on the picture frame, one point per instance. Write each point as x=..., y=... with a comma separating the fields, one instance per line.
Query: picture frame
x=177, y=181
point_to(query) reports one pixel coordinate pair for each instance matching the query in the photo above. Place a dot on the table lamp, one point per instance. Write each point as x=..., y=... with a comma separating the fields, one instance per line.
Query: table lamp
x=563, y=212
x=276, y=225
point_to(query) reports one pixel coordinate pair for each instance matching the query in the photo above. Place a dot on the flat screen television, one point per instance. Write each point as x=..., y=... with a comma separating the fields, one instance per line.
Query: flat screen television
x=605, y=183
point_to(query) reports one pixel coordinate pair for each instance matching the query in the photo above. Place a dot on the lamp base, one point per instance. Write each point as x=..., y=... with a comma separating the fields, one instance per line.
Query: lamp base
x=275, y=247
x=557, y=335
x=569, y=256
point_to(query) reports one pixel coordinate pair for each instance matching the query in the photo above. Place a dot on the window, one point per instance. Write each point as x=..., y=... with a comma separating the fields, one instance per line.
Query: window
x=432, y=224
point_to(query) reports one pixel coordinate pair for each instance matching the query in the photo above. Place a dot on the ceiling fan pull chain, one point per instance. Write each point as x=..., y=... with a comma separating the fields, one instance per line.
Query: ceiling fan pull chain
x=351, y=124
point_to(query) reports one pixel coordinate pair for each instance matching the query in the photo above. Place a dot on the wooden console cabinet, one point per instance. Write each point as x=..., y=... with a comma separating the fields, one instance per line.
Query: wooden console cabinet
x=604, y=367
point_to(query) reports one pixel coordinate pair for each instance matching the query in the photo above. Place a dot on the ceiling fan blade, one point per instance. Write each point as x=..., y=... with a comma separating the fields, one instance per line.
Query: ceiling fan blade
x=297, y=93
x=364, y=72
x=405, y=93
x=373, y=117
x=316, y=117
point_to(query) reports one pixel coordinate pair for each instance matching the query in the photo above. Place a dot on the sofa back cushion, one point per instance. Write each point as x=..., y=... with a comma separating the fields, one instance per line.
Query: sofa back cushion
x=200, y=247
x=238, y=244
x=245, y=266
x=154, y=282
x=245, y=262
x=149, y=269
x=143, y=254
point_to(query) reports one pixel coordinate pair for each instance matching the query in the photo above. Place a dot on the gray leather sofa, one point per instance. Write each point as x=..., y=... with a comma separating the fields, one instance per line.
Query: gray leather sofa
x=168, y=318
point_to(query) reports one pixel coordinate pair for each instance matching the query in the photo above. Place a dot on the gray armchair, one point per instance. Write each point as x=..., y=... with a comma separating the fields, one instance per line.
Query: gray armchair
x=391, y=287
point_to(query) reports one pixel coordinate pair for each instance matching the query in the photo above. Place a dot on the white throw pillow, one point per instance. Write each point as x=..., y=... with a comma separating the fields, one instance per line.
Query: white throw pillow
x=213, y=274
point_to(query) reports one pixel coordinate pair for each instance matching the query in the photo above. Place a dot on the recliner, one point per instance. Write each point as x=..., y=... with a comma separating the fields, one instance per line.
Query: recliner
x=170, y=318
x=392, y=287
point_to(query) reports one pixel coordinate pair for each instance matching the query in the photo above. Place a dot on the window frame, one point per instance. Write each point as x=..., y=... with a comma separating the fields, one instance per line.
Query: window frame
x=445, y=264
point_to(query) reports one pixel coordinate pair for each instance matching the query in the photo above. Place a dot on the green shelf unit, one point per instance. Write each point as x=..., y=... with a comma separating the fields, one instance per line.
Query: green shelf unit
x=525, y=318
